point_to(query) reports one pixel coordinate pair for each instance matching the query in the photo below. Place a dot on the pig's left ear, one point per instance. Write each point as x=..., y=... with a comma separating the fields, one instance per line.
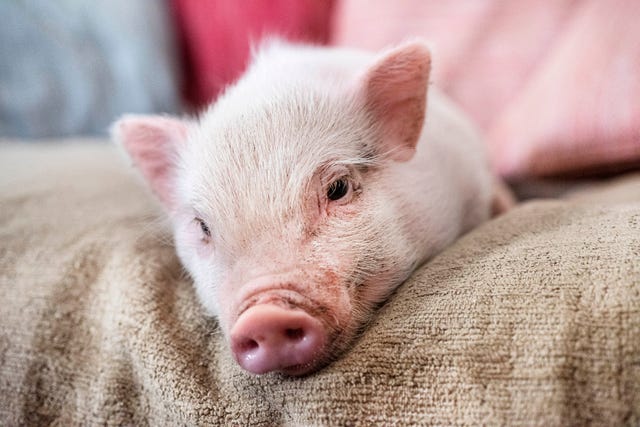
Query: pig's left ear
x=394, y=91
x=153, y=142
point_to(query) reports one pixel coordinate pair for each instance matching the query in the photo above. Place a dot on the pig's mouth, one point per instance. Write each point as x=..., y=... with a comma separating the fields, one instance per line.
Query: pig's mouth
x=302, y=370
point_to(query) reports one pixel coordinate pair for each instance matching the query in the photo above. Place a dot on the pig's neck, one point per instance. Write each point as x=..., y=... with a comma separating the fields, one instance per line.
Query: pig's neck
x=448, y=179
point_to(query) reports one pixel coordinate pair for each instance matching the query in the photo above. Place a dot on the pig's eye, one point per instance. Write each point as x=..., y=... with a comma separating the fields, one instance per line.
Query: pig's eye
x=338, y=189
x=204, y=227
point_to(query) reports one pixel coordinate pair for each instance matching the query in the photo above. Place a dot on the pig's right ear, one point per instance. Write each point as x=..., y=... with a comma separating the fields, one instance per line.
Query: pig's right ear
x=152, y=143
x=394, y=93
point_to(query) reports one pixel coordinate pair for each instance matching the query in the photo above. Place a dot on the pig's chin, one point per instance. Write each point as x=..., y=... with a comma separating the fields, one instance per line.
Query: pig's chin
x=305, y=369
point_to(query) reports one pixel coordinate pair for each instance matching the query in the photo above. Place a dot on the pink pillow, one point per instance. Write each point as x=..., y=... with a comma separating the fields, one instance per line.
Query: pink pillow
x=555, y=88
x=217, y=35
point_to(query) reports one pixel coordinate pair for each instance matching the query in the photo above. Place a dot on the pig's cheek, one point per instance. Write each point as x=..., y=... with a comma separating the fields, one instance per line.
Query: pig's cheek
x=197, y=259
x=191, y=236
x=204, y=250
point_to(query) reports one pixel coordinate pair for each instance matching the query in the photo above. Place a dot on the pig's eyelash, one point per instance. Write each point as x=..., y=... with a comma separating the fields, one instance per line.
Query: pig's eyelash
x=204, y=227
x=343, y=189
x=339, y=188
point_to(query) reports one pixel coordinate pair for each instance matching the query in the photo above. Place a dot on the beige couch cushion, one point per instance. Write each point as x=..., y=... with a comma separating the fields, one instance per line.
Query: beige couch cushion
x=531, y=319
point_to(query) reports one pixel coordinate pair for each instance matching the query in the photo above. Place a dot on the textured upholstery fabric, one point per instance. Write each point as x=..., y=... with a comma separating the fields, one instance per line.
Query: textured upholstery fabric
x=531, y=319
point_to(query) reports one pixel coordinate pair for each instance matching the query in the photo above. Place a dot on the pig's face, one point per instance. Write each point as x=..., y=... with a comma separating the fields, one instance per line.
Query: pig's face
x=304, y=218
x=286, y=211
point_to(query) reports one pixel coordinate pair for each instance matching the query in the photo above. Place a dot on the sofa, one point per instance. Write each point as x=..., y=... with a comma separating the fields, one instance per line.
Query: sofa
x=531, y=319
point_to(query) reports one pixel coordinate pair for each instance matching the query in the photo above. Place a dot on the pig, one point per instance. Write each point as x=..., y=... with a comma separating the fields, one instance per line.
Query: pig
x=309, y=191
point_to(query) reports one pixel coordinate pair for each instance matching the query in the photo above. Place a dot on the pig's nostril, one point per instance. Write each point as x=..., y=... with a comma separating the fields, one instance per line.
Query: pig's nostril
x=294, y=334
x=248, y=345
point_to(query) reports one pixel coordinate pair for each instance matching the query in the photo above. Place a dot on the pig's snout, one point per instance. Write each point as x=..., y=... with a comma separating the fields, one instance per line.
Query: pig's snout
x=267, y=337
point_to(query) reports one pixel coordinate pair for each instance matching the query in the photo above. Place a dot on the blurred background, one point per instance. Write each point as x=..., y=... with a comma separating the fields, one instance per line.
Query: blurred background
x=554, y=86
x=71, y=67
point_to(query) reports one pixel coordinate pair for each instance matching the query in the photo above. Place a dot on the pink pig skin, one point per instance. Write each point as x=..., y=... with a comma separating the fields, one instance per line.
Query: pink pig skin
x=309, y=191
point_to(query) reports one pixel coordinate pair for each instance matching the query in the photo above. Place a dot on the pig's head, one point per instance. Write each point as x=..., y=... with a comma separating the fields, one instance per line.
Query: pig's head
x=285, y=203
